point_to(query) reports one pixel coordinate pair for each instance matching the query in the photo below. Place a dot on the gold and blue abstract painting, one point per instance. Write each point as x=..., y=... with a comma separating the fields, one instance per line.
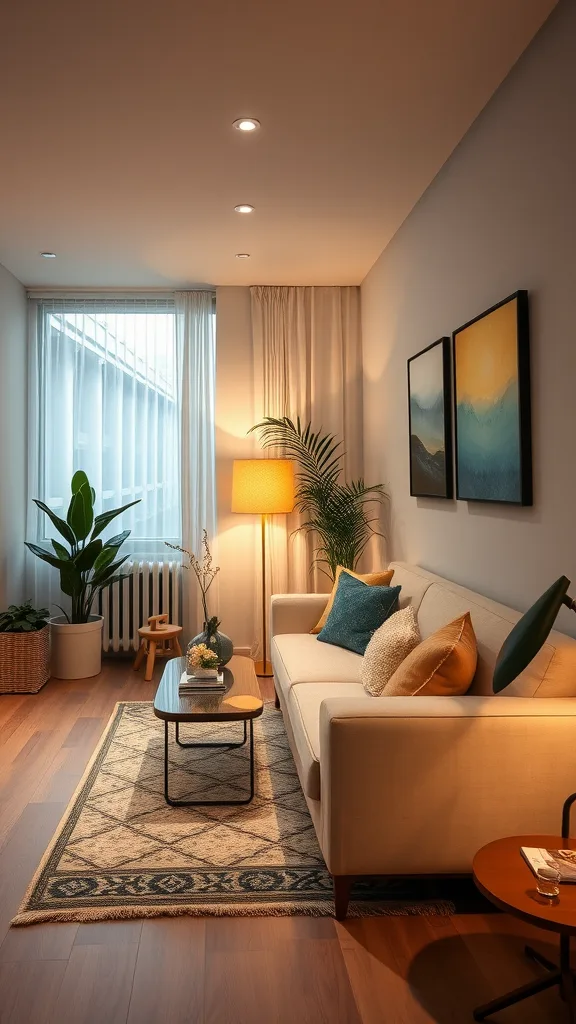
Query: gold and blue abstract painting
x=492, y=405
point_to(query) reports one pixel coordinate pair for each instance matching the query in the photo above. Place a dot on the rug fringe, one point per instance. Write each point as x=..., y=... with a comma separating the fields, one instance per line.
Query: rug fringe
x=312, y=908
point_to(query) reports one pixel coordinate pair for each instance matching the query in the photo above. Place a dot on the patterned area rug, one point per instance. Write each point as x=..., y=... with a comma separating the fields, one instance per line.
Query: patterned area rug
x=120, y=851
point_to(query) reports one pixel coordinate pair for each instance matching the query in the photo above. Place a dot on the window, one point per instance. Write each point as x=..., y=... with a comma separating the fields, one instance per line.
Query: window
x=109, y=404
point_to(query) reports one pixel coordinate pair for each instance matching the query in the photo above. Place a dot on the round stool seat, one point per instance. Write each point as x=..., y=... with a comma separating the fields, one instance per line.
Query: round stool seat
x=159, y=637
x=163, y=632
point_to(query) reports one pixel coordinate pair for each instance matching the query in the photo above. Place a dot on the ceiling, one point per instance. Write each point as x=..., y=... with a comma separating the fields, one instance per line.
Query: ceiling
x=118, y=151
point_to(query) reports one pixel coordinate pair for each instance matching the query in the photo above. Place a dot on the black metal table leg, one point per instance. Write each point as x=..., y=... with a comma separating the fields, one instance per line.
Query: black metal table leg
x=562, y=976
x=227, y=746
x=517, y=995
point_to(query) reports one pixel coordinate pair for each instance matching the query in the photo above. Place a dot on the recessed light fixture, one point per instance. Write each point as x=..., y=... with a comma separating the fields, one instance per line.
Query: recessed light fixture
x=242, y=255
x=246, y=124
x=48, y=255
x=244, y=208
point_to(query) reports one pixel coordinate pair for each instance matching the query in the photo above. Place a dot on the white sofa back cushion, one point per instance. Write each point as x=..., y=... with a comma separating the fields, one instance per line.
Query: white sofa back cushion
x=437, y=601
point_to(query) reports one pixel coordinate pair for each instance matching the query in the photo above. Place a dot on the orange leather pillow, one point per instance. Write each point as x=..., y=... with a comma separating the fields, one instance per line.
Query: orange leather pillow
x=372, y=579
x=441, y=666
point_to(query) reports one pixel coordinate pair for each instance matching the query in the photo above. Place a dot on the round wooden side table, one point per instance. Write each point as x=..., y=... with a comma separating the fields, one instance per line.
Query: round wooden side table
x=503, y=876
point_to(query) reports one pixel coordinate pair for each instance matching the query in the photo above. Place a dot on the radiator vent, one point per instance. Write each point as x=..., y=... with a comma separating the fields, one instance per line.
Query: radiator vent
x=152, y=588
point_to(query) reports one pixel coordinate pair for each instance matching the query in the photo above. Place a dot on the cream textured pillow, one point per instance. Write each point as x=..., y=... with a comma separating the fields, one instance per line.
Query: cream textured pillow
x=443, y=665
x=373, y=579
x=390, y=644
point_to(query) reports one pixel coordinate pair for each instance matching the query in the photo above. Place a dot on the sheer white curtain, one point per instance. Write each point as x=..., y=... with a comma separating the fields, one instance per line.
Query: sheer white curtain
x=307, y=363
x=196, y=352
x=110, y=393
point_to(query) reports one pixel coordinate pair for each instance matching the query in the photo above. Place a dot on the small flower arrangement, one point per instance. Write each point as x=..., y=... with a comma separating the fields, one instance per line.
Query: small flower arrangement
x=200, y=657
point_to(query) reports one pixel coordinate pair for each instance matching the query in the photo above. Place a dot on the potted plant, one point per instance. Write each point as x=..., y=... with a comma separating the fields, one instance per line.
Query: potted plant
x=24, y=649
x=337, y=513
x=86, y=565
x=201, y=662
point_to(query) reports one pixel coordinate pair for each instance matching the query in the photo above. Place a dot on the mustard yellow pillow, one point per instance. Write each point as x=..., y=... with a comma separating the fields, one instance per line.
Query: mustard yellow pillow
x=373, y=579
x=441, y=666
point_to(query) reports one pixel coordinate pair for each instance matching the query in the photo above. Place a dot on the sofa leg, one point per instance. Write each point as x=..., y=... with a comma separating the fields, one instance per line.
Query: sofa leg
x=276, y=700
x=342, y=887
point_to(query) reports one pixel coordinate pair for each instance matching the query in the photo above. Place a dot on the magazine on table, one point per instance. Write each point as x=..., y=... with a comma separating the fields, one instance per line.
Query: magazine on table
x=195, y=684
x=564, y=861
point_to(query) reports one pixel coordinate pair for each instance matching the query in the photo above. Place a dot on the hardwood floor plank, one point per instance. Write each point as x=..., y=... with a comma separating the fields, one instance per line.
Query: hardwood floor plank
x=28, y=991
x=289, y=973
x=169, y=978
x=108, y=933
x=97, y=985
x=22, y=854
x=38, y=942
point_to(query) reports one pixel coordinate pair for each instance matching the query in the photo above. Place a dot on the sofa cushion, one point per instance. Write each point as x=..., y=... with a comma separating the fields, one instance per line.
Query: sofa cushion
x=301, y=658
x=373, y=579
x=391, y=643
x=441, y=666
x=358, y=610
x=304, y=702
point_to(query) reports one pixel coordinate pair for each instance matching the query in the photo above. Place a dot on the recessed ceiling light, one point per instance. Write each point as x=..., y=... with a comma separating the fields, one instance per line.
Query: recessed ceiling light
x=48, y=255
x=244, y=208
x=246, y=124
x=242, y=255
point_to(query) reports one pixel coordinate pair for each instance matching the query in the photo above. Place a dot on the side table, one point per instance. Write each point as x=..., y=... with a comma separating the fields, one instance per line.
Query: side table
x=503, y=876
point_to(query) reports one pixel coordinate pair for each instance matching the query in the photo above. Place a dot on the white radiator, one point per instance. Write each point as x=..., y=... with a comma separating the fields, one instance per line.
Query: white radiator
x=152, y=588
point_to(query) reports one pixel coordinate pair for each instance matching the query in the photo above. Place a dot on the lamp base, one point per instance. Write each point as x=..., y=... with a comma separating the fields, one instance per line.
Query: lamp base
x=264, y=668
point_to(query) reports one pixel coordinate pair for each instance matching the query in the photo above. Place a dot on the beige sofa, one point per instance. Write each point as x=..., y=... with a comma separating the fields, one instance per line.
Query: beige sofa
x=416, y=785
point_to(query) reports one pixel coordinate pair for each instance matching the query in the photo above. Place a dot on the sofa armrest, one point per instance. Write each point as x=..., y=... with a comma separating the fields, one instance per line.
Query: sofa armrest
x=296, y=613
x=416, y=785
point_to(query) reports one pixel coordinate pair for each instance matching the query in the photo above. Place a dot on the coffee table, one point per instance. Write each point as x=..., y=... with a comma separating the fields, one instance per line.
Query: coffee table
x=241, y=701
x=502, y=875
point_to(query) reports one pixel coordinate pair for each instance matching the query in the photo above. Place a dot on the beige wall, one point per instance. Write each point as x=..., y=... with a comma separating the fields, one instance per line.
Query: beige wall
x=237, y=551
x=12, y=437
x=501, y=215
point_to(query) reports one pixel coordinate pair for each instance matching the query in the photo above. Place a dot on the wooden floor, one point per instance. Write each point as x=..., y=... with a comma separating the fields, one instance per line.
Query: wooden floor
x=217, y=971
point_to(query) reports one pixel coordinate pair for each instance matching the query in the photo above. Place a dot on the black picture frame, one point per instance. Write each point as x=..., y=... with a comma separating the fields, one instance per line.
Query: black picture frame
x=428, y=479
x=475, y=482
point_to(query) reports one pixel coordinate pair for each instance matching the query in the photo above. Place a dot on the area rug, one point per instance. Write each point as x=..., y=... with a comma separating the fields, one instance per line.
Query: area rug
x=121, y=852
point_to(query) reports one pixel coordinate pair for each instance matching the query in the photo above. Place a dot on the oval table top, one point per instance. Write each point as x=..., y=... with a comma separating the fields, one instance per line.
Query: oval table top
x=240, y=701
x=503, y=876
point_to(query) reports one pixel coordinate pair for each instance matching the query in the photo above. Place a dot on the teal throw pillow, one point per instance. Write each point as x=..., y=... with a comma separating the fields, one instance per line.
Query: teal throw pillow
x=358, y=610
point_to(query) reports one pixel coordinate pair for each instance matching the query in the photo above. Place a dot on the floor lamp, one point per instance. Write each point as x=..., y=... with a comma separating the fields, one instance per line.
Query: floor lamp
x=263, y=487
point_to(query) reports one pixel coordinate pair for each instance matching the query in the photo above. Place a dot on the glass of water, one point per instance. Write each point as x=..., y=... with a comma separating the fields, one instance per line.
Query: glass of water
x=548, y=882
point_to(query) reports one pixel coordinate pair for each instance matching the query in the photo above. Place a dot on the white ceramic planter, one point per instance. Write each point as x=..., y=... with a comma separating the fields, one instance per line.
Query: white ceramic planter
x=76, y=647
x=203, y=673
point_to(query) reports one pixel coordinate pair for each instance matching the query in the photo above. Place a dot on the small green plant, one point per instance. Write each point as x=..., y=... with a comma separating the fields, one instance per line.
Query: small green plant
x=337, y=513
x=200, y=656
x=23, y=618
x=89, y=564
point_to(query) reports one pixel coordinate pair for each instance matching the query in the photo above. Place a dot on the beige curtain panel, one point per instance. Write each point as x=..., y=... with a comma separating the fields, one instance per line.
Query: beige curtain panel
x=307, y=362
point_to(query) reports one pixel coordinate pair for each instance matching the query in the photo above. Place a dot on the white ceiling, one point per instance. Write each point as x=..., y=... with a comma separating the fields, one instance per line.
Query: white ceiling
x=118, y=151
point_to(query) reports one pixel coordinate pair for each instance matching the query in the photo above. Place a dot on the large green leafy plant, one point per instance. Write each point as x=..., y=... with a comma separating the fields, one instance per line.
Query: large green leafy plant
x=338, y=513
x=88, y=564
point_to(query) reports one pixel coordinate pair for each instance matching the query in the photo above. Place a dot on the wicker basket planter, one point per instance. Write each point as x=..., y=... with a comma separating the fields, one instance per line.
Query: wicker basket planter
x=24, y=660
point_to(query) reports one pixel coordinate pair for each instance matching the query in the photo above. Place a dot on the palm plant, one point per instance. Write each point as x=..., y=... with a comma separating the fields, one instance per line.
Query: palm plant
x=338, y=513
x=88, y=564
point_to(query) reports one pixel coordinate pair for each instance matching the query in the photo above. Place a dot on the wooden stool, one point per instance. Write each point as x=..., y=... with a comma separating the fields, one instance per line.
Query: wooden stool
x=160, y=638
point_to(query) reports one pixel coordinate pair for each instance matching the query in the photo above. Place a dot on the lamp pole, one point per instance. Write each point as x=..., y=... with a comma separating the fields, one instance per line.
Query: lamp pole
x=264, y=668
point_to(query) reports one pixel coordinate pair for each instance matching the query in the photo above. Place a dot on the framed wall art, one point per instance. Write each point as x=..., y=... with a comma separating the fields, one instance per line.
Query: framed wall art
x=429, y=407
x=491, y=356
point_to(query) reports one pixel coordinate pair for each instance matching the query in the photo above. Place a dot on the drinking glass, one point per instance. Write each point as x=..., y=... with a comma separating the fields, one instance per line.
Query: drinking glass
x=548, y=882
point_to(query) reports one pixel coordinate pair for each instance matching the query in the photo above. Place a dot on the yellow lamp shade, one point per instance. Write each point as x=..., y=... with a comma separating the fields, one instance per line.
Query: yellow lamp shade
x=263, y=486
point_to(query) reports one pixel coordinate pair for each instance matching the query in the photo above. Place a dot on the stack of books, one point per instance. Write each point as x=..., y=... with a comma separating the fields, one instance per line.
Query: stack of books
x=201, y=684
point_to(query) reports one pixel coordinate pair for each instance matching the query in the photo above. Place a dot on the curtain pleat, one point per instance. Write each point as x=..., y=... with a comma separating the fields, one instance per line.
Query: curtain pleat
x=308, y=363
